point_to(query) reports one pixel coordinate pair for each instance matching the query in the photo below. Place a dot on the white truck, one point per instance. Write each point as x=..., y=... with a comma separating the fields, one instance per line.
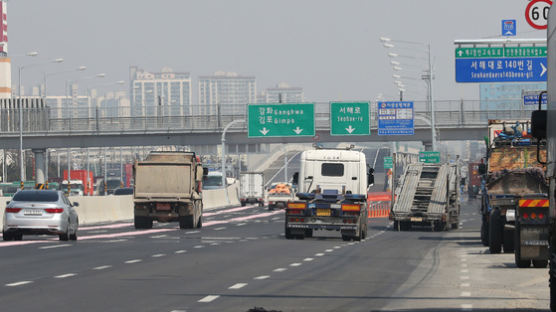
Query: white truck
x=332, y=194
x=251, y=188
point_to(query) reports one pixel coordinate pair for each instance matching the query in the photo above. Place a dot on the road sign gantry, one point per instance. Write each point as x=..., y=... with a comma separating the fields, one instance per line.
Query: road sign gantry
x=281, y=120
x=349, y=118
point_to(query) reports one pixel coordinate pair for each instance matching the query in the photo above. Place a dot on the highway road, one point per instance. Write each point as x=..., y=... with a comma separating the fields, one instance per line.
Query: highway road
x=240, y=260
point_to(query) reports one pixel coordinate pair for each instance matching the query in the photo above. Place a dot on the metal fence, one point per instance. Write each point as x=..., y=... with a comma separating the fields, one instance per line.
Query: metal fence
x=39, y=118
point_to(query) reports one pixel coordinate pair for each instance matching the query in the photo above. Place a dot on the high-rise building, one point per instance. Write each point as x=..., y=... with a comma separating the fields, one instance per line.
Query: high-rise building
x=5, y=62
x=227, y=93
x=166, y=93
x=284, y=93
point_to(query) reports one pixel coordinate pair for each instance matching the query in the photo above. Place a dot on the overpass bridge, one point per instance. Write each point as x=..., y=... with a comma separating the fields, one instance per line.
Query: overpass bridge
x=43, y=129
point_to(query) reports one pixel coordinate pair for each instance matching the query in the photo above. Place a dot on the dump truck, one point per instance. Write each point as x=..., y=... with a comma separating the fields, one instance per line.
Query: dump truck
x=427, y=195
x=508, y=175
x=278, y=195
x=332, y=194
x=168, y=187
x=251, y=188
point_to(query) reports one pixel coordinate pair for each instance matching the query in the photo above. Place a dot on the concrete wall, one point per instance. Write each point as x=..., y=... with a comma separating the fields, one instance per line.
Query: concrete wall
x=94, y=209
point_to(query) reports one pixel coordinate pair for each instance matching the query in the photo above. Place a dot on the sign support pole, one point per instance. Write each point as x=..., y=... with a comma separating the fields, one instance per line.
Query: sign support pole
x=431, y=97
x=224, y=184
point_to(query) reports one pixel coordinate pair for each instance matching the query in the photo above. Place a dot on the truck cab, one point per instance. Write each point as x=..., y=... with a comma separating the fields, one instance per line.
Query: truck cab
x=76, y=187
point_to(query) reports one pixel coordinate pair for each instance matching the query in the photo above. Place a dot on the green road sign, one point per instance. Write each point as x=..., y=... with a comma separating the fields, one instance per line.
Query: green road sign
x=388, y=163
x=349, y=118
x=496, y=52
x=281, y=120
x=429, y=157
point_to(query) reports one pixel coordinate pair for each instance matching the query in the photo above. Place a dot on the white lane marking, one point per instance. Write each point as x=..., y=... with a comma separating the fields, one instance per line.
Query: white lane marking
x=214, y=244
x=464, y=271
x=465, y=285
x=199, y=246
x=158, y=255
x=252, y=238
x=460, y=223
x=241, y=224
x=262, y=277
x=18, y=283
x=117, y=240
x=308, y=259
x=465, y=294
x=275, y=218
x=320, y=254
x=238, y=286
x=220, y=228
x=279, y=270
x=351, y=244
x=180, y=251
x=208, y=299
x=159, y=236
x=464, y=265
x=329, y=250
x=55, y=246
x=133, y=261
x=102, y=267
x=192, y=232
x=178, y=311
x=467, y=307
x=65, y=275
x=296, y=264
x=337, y=247
x=464, y=277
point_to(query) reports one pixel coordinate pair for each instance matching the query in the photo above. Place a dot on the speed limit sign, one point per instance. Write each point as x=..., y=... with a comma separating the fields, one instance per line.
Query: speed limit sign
x=536, y=13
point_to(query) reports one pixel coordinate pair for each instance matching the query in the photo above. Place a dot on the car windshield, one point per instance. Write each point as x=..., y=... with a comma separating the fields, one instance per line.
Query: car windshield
x=36, y=196
x=212, y=180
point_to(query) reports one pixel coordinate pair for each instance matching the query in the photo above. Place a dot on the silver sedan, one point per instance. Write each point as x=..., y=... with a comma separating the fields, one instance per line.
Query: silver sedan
x=40, y=212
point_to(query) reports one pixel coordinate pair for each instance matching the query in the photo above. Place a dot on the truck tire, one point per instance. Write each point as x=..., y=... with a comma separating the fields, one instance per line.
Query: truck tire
x=143, y=222
x=200, y=222
x=484, y=232
x=346, y=238
x=439, y=226
x=186, y=222
x=540, y=264
x=365, y=229
x=287, y=231
x=6, y=236
x=495, y=232
x=261, y=204
x=552, y=275
x=520, y=263
x=270, y=207
x=508, y=238
x=405, y=225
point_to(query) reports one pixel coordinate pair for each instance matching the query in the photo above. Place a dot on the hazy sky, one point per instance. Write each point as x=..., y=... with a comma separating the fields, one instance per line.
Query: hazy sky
x=330, y=48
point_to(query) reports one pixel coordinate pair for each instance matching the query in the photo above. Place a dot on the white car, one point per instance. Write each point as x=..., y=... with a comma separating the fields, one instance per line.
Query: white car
x=40, y=212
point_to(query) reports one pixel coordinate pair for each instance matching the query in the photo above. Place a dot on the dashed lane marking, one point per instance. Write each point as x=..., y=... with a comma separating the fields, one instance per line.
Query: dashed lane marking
x=158, y=255
x=180, y=251
x=220, y=228
x=465, y=294
x=337, y=247
x=465, y=285
x=320, y=254
x=241, y=224
x=199, y=246
x=208, y=299
x=55, y=246
x=65, y=275
x=467, y=307
x=19, y=283
x=279, y=270
x=159, y=236
x=464, y=271
x=308, y=259
x=464, y=277
x=296, y=264
x=133, y=261
x=329, y=250
x=238, y=286
x=102, y=267
x=262, y=277
x=192, y=232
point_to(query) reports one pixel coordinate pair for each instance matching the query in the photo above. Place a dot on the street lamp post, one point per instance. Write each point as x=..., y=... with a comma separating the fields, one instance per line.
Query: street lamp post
x=224, y=155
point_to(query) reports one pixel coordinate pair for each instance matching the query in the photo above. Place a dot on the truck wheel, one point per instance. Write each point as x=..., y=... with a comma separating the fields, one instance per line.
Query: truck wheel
x=288, y=233
x=552, y=276
x=364, y=232
x=242, y=204
x=495, y=232
x=520, y=263
x=261, y=204
x=270, y=207
x=143, y=222
x=540, y=264
x=186, y=222
x=455, y=224
x=200, y=222
x=405, y=225
x=346, y=238
x=439, y=226
x=309, y=233
x=484, y=232
x=6, y=236
x=508, y=241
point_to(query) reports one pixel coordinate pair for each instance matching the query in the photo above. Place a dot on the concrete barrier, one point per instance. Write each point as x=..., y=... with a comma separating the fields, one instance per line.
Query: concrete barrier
x=95, y=209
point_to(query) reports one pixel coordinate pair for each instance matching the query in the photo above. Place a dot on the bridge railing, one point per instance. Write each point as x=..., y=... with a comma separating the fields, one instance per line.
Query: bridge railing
x=41, y=119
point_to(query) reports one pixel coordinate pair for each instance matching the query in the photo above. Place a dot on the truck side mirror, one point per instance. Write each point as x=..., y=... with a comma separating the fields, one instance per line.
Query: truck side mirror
x=482, y=169
x=538, y=124
x=371, y=177
x=295, y=178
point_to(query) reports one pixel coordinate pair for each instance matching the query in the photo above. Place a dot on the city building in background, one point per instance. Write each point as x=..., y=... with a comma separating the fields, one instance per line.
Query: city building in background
x=284, y=93
x=506, y=96
x=166, y=93
x=5, y=62
x=226, y=92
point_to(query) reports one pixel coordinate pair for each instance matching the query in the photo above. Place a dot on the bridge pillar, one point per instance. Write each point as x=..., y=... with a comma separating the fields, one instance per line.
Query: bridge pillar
x=428, y=146
x=40, y=166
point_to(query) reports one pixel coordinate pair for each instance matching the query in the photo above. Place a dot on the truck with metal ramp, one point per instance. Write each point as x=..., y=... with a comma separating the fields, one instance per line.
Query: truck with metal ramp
x=427, y=195
x=168, y=188
x=332, y=194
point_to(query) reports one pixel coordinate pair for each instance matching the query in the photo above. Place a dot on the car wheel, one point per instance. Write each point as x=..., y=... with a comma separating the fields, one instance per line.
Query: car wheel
x=73, y=236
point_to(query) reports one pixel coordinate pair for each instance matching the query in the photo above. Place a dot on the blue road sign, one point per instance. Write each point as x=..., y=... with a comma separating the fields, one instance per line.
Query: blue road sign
x=501, y=69
x=395, y=118
x=532, y=98
x=509, y=28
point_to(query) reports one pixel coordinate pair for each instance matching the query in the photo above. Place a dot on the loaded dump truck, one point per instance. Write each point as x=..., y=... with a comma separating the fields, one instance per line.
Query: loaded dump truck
x=278, y=195
x=427, y=195
x=332, y=194
x=168, y=188
x=509, y=174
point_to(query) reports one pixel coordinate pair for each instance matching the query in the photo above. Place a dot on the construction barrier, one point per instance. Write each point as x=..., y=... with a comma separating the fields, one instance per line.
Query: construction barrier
x=379, y=204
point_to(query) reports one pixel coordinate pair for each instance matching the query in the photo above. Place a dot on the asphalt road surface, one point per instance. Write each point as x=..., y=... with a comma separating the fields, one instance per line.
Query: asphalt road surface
x=240, y=260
